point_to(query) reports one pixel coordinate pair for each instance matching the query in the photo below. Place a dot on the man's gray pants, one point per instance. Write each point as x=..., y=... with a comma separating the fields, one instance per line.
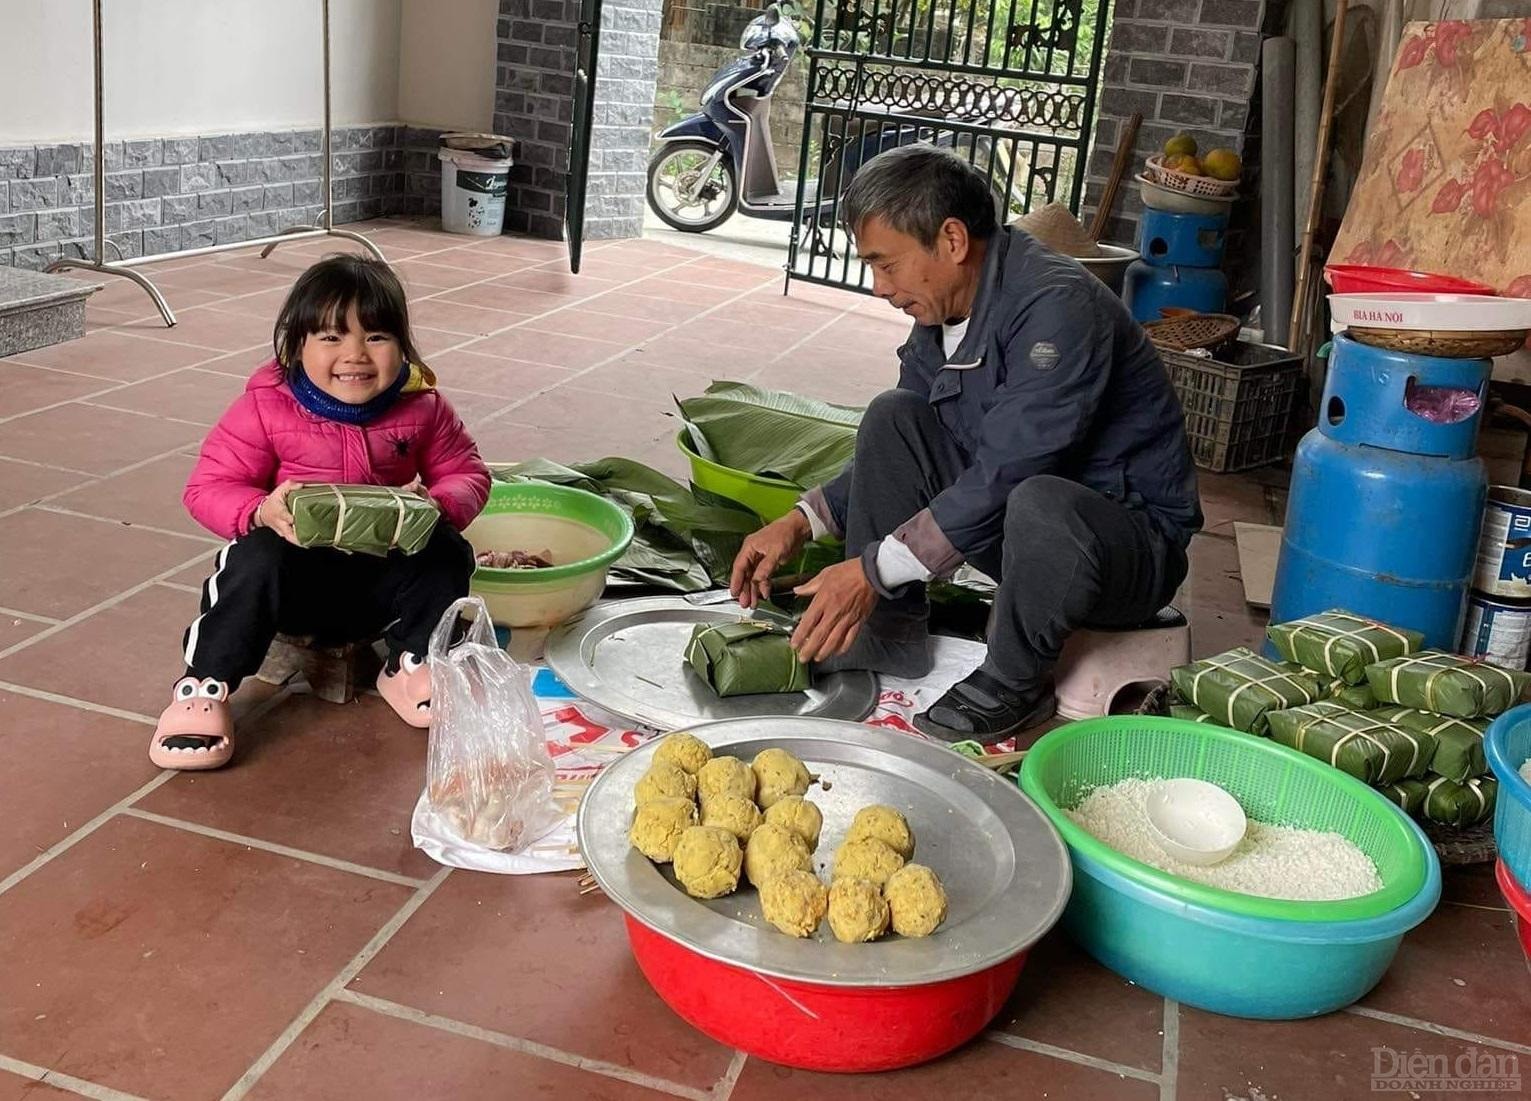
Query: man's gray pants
x=1068, y=557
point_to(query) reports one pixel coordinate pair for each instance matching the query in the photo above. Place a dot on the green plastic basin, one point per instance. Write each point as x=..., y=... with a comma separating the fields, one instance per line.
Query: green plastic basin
x=585, y=533
x=768, y=498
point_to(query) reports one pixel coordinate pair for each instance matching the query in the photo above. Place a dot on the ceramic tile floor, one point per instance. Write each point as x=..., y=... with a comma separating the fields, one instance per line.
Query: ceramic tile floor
x=268, y=931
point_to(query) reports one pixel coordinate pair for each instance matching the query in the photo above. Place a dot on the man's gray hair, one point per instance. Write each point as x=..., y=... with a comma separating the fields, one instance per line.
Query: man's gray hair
x=915, y=189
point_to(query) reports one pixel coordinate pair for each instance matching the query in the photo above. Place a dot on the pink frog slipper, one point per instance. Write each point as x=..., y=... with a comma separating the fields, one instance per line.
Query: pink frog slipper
x=408, y=690
x=196, y=731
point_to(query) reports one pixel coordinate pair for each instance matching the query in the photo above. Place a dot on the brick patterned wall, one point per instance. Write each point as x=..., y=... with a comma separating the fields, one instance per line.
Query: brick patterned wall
x=534, y=103
x=1184, y=65
x=168, y=194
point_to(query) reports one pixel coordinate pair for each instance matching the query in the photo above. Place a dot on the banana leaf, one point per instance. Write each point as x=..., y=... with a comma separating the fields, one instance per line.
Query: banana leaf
x=1459, y=752
x=1341, y=644
x=1446, y=802
x=1371, y=749
x=1240, y=688
x=770, y=432
x=362, y=519
x=746, y=658
x=1447, y=684
x=679, y=542
x=1189, y=712
x=1357, y=697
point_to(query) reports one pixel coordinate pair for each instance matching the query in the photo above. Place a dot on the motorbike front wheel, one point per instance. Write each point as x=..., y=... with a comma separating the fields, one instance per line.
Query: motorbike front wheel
x=681, y=197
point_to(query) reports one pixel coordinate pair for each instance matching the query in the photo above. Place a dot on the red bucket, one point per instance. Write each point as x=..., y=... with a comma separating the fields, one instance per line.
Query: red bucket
x=1520, y=901
x=811, y=1026
x=1365, y=279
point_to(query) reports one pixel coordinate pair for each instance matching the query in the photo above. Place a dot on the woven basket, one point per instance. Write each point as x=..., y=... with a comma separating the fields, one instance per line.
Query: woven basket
x=1196, y=330
x=1204, y=186
x=1446, y=344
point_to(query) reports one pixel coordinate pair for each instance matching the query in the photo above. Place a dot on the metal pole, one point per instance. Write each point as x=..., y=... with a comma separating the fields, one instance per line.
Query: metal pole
x=99, y=153
x=324, y=174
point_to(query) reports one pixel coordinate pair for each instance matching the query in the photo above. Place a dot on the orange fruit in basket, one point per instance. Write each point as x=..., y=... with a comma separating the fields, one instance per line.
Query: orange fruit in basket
x=1182, y=144
x=1223, y=164
x=1186, y=163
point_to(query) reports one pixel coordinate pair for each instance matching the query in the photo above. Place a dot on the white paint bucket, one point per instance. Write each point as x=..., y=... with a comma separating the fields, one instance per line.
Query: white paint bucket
x=1504, y=547
x=1497, y=632
x=473, y=191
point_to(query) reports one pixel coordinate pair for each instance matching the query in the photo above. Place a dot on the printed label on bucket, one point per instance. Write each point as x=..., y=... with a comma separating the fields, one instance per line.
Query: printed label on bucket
x=1499, y=634
x=494, y=184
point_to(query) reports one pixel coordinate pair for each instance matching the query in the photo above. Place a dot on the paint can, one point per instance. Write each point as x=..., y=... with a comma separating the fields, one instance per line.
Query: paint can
x=1497, y=631
x=1504, y=547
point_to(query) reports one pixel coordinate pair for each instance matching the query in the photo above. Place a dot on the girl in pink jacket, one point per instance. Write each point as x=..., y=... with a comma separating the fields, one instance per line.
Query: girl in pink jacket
x=347, y=401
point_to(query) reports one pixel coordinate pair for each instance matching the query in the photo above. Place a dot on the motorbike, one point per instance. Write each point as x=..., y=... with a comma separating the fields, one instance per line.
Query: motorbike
x=720, y=161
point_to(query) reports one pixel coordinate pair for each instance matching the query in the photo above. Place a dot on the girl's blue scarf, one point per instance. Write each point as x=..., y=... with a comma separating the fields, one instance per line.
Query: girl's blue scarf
x=317, y=402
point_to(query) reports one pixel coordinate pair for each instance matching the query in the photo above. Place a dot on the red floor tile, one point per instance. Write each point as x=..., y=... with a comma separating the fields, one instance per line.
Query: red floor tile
x=221, y=278
x=162, y=963
x=145, y=495
x=24, y=483
x=532, y=248
x=983, y=1069
x=190, y=394
x=556, y=282
x=13, y=1087
x=430, y=342
x=1462, y=968
x=220, y=329
x=34, y=543
x=504, y=440
x=529, y=957
x=662, y=286
x=475, y=408
x=496, y=296
x=422, y=277
x=132, y=651
x=1068, y=1000
x=599, y=326
x=613, y=416
x=92, y=438
x=742, y=277
x=62, y=767
x=510, y=379
x=24, y=388
x=1331, y=1057
x=480, y=260
x=117, y=356
x=624, y=304
x=458, y=317
x=349, y=1052
x=554, y=349
x=636, y=376
x=14, y=629
x=339, y=780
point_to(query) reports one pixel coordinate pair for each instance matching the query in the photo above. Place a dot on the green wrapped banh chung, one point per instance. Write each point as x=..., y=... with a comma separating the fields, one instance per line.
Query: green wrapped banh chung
x=1458, y=742
x=362, y=519
x=1357, y=697
x=1447, y=684
x=1355, y=742
x=1239, y=688
x=746, y=658
x=1190, y=713
x=1340, y=644
x=1446, y=802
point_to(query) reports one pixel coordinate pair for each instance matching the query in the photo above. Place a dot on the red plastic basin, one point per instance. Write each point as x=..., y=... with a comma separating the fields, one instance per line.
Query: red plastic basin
x=817, y=1027
x=1520, y=901
x=1364, y=279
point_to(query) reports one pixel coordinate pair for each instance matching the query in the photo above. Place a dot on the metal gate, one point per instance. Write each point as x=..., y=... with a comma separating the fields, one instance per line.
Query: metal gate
x=1009, y=84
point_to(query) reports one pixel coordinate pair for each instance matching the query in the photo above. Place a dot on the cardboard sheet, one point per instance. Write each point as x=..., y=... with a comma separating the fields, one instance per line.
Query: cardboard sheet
x=1259, y=547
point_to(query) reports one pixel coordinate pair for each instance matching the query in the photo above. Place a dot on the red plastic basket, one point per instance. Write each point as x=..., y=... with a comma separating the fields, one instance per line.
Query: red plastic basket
x=1365, y=279
x=849, y=1029
x=1520, y=902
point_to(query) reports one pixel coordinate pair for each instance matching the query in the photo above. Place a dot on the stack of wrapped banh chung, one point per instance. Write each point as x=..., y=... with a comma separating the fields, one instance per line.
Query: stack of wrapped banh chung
x=1366, y=698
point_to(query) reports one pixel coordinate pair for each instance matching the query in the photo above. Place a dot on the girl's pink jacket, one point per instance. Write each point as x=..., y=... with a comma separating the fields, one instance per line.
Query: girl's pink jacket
x=266, y=438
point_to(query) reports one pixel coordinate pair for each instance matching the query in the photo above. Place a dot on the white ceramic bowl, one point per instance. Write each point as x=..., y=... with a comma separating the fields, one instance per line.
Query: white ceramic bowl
x=1111, y=268
x=1159, y=197
x=1194, y=821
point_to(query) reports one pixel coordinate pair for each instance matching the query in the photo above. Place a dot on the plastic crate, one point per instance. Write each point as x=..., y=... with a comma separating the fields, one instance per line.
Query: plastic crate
x=1237, y=407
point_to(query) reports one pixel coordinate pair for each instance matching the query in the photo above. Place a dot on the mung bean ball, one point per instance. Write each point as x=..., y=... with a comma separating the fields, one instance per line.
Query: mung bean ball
x=657, y=827
x=707, y=861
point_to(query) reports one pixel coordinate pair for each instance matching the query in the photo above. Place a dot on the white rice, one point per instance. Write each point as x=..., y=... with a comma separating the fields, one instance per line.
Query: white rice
x=1272, y=861
x=1525, y=770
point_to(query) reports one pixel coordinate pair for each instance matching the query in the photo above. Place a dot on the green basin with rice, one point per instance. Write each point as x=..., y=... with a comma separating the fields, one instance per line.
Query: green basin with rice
x=585, y=534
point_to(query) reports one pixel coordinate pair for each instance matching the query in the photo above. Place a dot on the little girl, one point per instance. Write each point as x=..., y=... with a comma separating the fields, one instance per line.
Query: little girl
x=347, y=401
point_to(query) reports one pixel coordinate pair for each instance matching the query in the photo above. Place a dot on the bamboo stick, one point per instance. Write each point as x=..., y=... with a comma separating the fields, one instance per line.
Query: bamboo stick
x=1124, y=147
x=1301, y=315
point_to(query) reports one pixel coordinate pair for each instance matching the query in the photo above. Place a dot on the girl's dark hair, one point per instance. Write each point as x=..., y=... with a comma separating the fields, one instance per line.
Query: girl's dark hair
x=325, y=293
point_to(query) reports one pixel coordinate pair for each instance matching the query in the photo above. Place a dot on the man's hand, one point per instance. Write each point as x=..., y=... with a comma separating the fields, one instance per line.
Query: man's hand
x=842, y=600
x=763, y=552
x=273, y=512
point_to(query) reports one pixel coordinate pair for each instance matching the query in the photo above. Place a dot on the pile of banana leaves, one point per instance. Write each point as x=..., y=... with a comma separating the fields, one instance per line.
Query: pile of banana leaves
x=771, y=432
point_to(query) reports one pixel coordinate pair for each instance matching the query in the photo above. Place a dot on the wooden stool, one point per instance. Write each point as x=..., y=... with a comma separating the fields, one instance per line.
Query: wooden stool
x=333, y=673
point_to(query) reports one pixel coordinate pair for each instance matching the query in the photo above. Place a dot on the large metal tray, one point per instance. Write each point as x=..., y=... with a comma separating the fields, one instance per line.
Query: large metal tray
x=1004, y=867
x=626, y=656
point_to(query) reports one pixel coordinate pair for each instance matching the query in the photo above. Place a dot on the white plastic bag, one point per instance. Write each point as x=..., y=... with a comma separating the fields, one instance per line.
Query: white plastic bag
x=489, y=778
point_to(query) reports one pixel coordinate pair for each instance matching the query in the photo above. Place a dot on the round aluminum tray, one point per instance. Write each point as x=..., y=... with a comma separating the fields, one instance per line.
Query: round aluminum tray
x=1005, y=869
x=626, y=656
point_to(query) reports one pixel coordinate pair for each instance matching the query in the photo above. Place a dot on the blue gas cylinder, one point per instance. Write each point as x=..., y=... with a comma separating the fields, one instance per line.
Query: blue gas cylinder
x=1166, y=237
x=1386, y=503
x=1148, y=288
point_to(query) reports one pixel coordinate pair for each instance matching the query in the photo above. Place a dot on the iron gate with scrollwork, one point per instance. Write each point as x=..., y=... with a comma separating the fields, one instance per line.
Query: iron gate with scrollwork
x=1010, y=85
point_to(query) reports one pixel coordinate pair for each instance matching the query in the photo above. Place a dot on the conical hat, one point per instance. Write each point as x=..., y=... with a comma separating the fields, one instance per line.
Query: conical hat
x=1057, y=228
